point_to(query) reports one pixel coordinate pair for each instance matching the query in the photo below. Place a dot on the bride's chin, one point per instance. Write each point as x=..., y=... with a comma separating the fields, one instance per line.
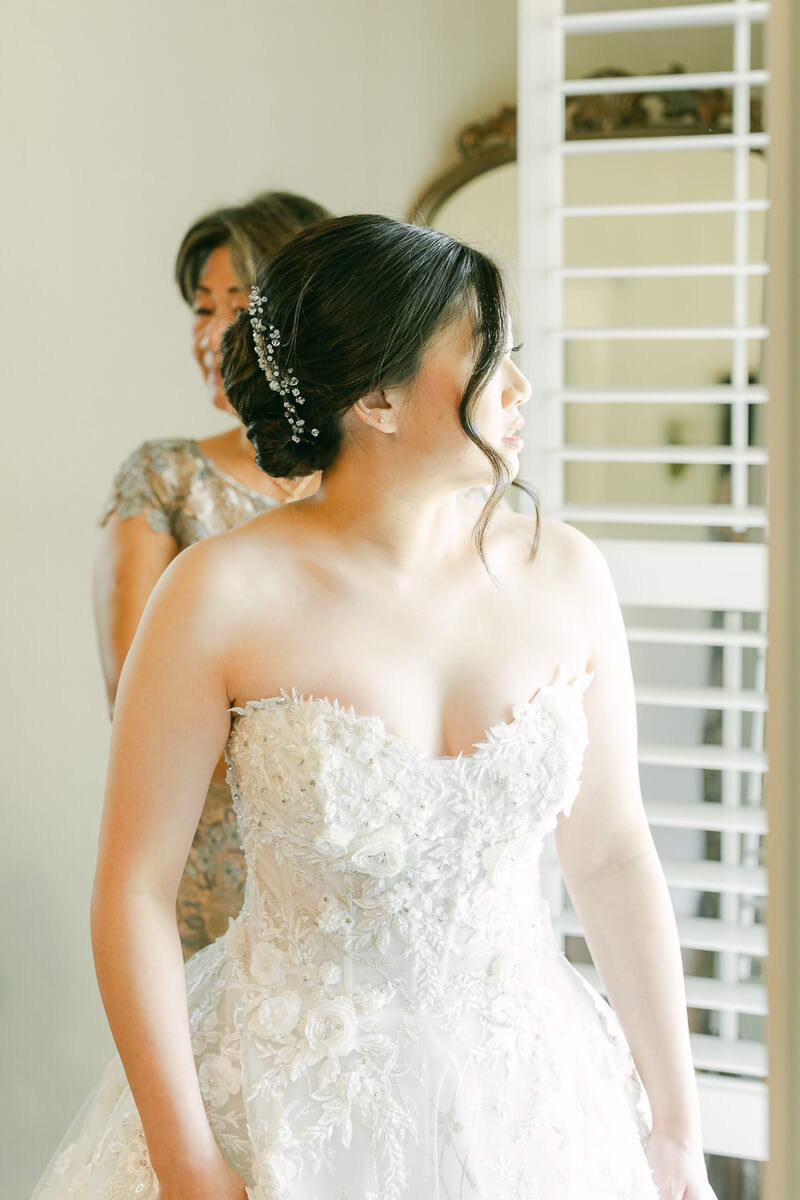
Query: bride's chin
x=510, y=455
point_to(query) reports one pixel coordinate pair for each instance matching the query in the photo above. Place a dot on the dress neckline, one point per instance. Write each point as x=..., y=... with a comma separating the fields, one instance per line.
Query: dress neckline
x=490, y=736
x=260, y=497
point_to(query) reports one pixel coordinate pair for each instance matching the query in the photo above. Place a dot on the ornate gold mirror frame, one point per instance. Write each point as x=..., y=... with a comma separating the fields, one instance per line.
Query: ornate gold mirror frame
x=482, y=146
x=492, y=143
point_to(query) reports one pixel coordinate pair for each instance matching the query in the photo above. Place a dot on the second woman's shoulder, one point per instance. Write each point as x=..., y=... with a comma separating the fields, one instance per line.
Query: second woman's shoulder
x=153, y=478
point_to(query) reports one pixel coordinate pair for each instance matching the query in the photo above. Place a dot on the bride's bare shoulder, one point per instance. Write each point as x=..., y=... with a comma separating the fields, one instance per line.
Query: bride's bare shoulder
x=226, y=576
x=548, y=543
x=557, y=557
x=568, y=548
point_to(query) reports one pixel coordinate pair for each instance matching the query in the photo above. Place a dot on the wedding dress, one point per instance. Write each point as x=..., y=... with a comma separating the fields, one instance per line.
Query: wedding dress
x=390, y=1017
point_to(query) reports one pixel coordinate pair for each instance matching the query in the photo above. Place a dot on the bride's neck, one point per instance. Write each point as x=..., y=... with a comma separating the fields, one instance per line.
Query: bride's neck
x=411, y=523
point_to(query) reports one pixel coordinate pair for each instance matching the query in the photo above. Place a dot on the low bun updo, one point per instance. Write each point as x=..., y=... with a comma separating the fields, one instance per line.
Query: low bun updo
x=357, y=300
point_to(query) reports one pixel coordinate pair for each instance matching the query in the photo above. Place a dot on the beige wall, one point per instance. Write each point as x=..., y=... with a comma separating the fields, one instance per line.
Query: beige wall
x=130, y=119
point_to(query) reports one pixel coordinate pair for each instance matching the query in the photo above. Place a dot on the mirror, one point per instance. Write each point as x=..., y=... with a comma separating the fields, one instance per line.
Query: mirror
x=476, y=200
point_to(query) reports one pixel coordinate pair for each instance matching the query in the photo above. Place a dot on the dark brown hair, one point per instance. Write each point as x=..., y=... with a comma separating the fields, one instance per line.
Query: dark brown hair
x=357, y=301
x=253, y=231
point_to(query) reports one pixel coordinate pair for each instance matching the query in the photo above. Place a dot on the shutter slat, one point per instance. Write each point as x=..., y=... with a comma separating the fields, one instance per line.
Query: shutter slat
x=738, y=1058
x=709, y=758
x=673, y=17
x=665, y=271
x=735, y=1115
x=711, y=994
x=753, y=456
x=696, y=933
x=733, y=819
x=714, y=698
x=678, y=333
x=658, y=145
x=678, y=82
x=704, y=395
x=675, y=208
x=712, y=576
x=716, y=877
x=697, y=637
x=704, y=515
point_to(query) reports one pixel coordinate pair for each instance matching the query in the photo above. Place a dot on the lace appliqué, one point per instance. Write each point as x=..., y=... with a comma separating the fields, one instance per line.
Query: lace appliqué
x=182, y=492
x=390, y=1016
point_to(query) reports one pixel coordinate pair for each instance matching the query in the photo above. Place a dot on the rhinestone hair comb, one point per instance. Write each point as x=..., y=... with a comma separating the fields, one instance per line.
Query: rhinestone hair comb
x=267, y=341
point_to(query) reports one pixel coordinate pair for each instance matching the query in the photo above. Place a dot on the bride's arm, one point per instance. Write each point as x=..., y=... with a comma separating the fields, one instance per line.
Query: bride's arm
x=170, y=726
x=617, y=885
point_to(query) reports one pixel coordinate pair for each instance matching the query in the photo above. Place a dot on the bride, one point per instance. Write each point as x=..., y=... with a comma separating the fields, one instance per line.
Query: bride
x=409, y=701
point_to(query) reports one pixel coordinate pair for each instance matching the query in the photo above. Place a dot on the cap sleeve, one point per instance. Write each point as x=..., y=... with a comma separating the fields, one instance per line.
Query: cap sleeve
x=151, y=480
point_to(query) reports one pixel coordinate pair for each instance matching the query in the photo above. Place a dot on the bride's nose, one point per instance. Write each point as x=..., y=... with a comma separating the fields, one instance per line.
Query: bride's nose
x=518, y=391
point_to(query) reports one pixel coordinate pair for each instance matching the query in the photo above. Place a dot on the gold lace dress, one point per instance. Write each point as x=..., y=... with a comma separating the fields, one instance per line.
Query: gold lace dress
x=184, y=493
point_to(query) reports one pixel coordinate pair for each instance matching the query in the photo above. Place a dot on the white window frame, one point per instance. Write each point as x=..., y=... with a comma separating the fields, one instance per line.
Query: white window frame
x=734, y=1106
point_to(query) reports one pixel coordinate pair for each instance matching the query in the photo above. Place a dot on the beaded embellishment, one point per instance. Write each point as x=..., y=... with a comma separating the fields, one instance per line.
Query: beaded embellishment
x=267, y=341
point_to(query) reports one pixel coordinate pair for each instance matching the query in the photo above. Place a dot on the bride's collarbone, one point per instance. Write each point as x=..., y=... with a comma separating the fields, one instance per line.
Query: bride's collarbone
x=457, y=675
x=438, y=669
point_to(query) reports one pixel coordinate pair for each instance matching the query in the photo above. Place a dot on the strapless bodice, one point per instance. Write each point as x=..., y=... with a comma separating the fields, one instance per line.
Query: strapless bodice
x=369, y=859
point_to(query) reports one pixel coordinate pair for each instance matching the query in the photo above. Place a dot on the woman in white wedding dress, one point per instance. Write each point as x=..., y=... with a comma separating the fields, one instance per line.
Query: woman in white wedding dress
x=408, y=705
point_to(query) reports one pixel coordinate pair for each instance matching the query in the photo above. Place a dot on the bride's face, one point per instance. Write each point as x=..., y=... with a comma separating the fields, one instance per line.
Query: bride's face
x=429, y=418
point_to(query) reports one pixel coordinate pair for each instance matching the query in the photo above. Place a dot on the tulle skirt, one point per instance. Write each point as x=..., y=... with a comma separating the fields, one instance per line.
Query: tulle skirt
x=536, y=1100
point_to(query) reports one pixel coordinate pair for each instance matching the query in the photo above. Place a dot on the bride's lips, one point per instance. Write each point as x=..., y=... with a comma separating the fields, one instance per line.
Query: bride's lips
x=511, y=439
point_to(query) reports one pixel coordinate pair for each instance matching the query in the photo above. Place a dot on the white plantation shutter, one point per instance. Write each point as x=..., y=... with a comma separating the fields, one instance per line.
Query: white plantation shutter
x=642, y=268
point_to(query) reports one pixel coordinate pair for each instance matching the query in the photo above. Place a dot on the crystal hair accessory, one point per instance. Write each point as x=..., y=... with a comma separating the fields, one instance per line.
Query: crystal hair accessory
x=267, y=341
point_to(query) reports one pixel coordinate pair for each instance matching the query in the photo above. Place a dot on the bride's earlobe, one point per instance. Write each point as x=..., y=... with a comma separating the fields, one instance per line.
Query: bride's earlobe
x=367, y=413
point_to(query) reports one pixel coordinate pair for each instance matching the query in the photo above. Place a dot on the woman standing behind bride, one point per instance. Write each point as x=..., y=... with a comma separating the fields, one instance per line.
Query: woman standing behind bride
x=172, y=492
x=414, y=698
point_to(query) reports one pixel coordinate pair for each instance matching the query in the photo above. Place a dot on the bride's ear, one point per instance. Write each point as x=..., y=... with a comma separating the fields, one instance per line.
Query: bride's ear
x=374, y=409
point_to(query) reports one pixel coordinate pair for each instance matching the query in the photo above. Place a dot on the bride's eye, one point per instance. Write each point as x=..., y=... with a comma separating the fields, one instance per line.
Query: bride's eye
x=515, y=349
